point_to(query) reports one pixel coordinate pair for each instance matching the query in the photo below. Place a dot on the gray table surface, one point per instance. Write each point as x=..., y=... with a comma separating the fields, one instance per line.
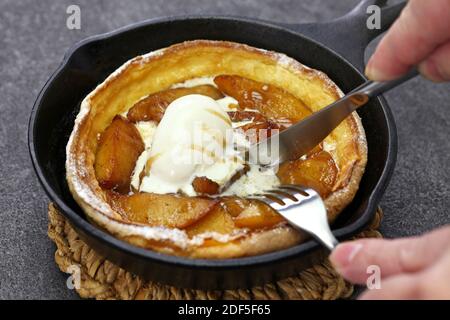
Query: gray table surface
x=33, y=40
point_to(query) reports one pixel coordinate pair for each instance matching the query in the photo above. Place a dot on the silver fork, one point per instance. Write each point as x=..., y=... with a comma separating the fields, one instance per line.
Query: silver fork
x=303, y=208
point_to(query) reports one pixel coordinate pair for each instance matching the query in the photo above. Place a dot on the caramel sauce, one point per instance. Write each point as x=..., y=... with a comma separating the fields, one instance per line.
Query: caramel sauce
x=220, y=116
x=148, y=165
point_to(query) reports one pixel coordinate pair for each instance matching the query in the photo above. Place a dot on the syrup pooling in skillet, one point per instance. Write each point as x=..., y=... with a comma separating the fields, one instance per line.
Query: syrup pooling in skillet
x=250, y=105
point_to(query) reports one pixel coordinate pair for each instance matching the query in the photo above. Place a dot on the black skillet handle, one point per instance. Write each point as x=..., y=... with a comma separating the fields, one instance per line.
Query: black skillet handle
x=349, y=35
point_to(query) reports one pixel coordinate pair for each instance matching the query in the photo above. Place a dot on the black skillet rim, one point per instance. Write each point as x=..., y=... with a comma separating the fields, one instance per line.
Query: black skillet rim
x=263, y=259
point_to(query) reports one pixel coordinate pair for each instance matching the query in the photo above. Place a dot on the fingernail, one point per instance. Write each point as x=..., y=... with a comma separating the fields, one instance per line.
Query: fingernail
x=374, y=73
x=344, y=254
x=369, y=69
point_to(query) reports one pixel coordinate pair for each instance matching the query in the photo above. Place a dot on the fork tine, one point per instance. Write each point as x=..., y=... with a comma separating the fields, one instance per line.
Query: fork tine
x=264, y=199
x=295, y=188
x=283, y=193
x=307, y=213
x=274, y=197
x=297, y=192
x=283, y=200
x=311, y=192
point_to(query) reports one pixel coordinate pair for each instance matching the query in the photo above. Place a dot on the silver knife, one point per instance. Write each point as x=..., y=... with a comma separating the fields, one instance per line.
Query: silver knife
x=303, y=136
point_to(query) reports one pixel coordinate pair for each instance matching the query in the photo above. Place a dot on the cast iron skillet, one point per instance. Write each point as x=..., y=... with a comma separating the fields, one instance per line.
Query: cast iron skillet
x=336, y=47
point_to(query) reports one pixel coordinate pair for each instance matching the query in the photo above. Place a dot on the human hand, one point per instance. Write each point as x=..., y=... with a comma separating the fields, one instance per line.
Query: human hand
x=411, y=268
x=420, y=36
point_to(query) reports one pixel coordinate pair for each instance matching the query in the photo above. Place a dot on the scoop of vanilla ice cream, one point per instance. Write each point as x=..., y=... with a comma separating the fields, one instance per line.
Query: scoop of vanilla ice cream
x=193, y=139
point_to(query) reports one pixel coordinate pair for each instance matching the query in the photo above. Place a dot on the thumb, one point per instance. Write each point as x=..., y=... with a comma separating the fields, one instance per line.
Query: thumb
x=407, y=255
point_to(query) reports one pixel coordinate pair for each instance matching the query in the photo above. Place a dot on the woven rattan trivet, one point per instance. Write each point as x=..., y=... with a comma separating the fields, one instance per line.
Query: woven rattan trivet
x=101, y=279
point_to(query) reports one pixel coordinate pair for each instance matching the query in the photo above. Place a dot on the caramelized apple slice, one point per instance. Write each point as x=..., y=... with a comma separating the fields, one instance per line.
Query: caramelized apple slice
x=234, y=205
x=271, y=101
x=318, y=172
x=249, y=213
x=217, y=221
x=257, y=216
x=203, y=185
x=118, y=149
x=153, y=107
x=316, y=149
x=165, y=210
x=236, y=116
